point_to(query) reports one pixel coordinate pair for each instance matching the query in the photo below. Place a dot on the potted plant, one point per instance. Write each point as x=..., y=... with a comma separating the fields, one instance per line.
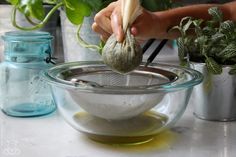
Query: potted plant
x=74, y=11
x=211, y=49
x=20, y=19
x=75, y=20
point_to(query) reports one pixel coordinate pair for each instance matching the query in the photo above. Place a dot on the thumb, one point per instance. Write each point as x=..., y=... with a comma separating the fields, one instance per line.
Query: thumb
x=116, y=24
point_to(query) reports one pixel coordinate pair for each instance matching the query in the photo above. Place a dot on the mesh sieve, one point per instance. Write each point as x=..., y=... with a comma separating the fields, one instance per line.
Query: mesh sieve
x=143, y=76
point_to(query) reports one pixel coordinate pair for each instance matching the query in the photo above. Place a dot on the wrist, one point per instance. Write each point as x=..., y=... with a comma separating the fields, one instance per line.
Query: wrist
x=162, y=25
x=228, y=10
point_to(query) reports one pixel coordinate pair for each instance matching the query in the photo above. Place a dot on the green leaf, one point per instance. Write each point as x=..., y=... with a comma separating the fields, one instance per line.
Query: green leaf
x=187, y=25
x=214, y=40
x=198, y=22
x=217, y=37
x=227, y=27
x=183, y=20
x=228, y=52
x=212, y=66
x=211, y=46
x=181, y=49
x=79, y=11
x=177, y=28
x=211, y=23
x=69, y=4
x=214, y=51
x=208, y=31
x=216, y=14
x=32, y=8
x=94, y=4
x=201, y=40
x=13, y=2
x=50, y=1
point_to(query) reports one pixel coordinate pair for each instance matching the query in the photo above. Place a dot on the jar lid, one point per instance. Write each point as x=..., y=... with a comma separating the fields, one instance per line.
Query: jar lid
x=27, y=36
x=33, y=46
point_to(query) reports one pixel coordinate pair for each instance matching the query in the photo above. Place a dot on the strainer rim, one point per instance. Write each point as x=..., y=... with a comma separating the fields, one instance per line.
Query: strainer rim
x=196, y=78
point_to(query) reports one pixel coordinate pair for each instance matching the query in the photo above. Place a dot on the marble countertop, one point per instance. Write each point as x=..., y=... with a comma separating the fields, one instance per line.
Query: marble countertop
x=51, y=136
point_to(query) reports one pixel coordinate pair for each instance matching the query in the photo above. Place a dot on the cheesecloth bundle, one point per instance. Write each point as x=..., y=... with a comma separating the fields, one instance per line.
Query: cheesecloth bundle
x=126, y=56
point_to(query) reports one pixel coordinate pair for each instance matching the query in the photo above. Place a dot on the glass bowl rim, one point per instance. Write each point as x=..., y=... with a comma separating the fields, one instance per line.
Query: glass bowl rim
x=196, y=78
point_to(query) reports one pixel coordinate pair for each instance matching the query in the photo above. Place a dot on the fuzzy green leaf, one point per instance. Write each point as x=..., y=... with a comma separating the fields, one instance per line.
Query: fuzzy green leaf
x=184, y=25
x=187, y=25
x=214, y=51
x=227, y=27
x=228, y=52
x=201, y=41
x=177, y=28
x=216, y=14
x=212, y=66
x=211, y=43
x=181, y=49
x=211, y=23
x=214, y=42
x=197, y=23
x=208, y=31
x=217, y=37
x=183, y=20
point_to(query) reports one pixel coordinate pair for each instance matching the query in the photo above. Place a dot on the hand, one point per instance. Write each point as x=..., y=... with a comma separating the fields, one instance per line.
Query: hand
x=109, y=21
x=147, y=25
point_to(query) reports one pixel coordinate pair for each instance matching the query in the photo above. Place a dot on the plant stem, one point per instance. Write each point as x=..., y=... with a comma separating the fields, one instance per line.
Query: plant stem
x=37, y=26
x=85, y=44
x=30, y=21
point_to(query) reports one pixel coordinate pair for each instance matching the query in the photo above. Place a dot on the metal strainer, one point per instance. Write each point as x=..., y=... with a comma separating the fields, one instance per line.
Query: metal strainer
x=102, y=77
x=106, y=94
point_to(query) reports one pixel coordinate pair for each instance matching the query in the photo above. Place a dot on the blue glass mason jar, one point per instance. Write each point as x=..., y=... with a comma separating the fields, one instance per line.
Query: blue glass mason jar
x=23, y=92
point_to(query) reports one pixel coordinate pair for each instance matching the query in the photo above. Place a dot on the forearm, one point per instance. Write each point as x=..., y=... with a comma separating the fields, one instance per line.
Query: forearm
x=173, y=17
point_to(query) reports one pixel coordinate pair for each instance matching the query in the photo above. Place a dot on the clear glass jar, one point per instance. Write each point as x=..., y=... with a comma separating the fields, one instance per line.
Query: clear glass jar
x=23, y=93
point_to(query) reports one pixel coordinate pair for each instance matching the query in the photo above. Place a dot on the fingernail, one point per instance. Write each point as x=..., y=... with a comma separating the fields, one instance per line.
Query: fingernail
x=119, y=39
x=119, y=36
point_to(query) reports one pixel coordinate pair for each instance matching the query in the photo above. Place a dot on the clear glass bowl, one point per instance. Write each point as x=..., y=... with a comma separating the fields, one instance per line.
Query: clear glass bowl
x=115, y=108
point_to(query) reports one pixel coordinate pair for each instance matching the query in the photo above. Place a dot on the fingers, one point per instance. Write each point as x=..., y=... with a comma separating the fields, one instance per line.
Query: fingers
x=134, y=31
x=109, y=21
x=102, y=19
x=102, y=22
x=103, y=34
x=116, y=22
x=147, y=26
